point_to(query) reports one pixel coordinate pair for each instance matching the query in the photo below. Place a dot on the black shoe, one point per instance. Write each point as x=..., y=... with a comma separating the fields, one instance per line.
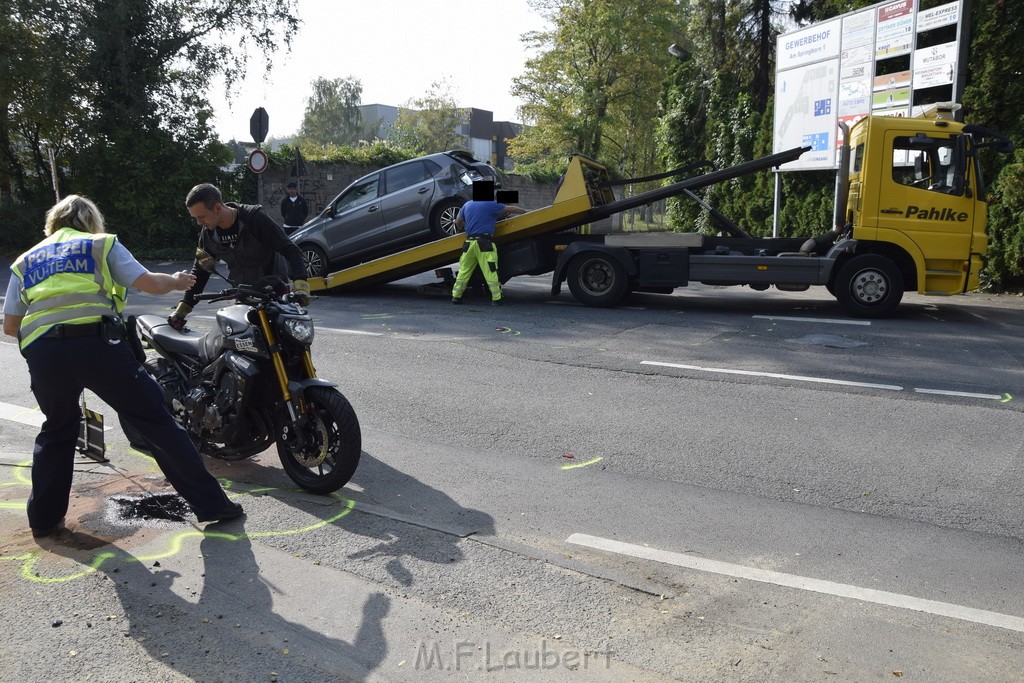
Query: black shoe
x=229, y=511
x=456, y=300
x=42, y=533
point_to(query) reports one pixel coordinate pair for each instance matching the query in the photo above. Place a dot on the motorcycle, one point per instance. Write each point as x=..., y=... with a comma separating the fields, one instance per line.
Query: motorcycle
x=250, y=382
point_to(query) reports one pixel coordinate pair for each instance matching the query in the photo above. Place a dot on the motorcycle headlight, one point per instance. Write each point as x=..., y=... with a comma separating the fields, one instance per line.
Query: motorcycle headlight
x=300, y=330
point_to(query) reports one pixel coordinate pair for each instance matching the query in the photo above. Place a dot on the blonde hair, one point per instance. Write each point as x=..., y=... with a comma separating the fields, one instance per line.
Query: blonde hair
x=74, y=211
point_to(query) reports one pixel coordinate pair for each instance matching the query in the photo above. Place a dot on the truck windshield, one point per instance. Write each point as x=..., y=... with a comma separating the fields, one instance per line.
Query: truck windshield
x=928, y=163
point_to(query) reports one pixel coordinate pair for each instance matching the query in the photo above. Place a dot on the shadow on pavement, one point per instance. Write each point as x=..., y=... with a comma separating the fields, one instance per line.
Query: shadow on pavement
x=234, y=631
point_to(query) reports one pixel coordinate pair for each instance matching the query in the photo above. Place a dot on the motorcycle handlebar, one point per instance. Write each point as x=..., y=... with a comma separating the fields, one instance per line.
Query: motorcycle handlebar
x=244, y=291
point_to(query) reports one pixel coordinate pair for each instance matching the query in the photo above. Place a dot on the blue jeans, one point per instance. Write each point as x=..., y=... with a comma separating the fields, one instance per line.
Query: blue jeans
x=60, y=369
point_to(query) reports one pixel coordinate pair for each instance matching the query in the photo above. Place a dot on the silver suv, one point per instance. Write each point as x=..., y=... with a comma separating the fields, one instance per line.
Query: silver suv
x=391, y=209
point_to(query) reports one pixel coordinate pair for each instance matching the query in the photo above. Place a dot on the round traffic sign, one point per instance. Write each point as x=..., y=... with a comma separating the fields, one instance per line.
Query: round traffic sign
x=258, y=161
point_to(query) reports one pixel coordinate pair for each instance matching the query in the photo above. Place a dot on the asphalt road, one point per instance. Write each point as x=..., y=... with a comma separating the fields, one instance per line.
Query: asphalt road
x=715, y=485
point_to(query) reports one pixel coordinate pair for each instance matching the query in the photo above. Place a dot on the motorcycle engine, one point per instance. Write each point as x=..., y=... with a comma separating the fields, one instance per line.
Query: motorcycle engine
x=211, y=411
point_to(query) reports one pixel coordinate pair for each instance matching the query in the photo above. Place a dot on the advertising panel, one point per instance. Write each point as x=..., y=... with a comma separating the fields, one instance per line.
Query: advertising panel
x=805, y=113
x=934, y=65
x=894, y=34
x=936, y=17
x=808, y=45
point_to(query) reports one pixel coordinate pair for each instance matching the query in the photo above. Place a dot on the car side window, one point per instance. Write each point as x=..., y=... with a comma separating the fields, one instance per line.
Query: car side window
x=365, y=191
x=404, y=176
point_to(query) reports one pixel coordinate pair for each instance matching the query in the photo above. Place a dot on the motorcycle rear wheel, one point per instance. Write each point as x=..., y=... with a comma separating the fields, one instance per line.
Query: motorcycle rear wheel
x=334, y=443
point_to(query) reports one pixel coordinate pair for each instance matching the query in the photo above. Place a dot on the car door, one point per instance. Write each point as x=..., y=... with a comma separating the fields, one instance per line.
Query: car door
x=356, y=224
x=409, y=190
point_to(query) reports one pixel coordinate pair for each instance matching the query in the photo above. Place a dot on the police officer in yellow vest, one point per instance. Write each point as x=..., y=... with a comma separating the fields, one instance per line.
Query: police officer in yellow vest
x=64, y=304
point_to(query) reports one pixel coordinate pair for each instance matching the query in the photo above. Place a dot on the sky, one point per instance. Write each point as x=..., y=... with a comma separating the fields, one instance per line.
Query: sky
x=396, y=48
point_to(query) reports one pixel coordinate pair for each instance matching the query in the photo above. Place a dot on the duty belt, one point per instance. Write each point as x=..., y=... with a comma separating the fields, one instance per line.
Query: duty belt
x=64, y=331
x=479, y=237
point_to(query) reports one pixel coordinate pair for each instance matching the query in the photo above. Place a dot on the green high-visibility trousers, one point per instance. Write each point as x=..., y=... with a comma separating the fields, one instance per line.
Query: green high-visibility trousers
x=473, y=256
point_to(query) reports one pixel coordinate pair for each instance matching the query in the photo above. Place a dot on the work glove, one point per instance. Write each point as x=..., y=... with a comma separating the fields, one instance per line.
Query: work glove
x=300, y=292
x=177, y=319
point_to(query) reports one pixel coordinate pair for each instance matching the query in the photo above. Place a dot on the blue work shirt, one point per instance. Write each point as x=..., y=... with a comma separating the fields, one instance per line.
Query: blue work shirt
x=480, y=217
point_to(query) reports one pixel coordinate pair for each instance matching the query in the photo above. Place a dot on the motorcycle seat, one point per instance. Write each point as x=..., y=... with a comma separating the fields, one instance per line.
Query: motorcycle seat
x=185, y=341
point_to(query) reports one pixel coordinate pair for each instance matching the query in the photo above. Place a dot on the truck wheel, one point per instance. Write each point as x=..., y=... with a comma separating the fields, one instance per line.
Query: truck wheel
x=442, y=219
x=316, y=260
x=597, y=279
x=869, y=286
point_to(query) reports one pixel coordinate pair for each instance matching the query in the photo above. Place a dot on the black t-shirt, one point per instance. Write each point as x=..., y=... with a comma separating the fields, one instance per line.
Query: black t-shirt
x=229, y=237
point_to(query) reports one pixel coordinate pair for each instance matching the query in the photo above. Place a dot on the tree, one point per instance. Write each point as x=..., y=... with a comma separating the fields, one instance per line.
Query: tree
x=594, y=86
x=332, y=113
x=118, y=89
x=430, y=123
x=993, y=96
x=38, y=60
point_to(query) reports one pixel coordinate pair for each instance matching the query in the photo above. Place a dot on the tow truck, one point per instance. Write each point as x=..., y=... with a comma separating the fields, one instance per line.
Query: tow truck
x=910, y=213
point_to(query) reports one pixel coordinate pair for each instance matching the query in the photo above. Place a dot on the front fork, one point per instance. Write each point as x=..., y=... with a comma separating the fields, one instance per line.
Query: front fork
x=294, y=403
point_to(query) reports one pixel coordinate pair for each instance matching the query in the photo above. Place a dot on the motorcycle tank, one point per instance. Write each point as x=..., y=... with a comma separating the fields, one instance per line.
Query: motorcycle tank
x=233, y=319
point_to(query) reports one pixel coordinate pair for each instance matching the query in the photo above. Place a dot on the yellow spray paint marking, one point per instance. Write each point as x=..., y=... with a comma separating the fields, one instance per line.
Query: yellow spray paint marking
x=175, y=540
x=1006, y=398
x=175, y=544
x=577, y=465
x=507, y=330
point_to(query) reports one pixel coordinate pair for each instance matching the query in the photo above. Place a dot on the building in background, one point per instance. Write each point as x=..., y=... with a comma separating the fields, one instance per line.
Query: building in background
x=486, y=138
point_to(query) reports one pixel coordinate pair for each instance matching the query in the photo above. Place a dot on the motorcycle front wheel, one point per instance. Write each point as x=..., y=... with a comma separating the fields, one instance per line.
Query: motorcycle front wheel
x=332, y=443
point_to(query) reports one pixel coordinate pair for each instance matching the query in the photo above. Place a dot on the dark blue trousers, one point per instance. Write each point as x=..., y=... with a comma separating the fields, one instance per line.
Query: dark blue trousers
x=60, y=369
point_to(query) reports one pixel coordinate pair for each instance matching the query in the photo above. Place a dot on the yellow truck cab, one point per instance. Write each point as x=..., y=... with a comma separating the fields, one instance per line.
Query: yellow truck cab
x=916, y=197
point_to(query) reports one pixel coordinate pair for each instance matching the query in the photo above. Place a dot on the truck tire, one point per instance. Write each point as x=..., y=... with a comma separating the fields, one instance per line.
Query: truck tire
x=869, y=286
x=597, y=279
x=442, y=218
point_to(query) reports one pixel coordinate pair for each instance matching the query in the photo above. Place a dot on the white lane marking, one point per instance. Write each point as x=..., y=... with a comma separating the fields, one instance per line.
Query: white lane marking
x=26, y=416
x=344, y=331
x=825, y=380
x=834, y=321
x=842, y=590
x=967, y=394
x=798, y=378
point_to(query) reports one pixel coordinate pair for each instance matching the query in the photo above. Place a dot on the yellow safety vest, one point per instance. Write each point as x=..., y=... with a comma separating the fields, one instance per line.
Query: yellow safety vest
x=65, y=279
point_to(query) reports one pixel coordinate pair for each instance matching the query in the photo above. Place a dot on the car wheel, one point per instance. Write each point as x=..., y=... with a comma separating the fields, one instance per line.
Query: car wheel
x=316, y=260
x=442, y=219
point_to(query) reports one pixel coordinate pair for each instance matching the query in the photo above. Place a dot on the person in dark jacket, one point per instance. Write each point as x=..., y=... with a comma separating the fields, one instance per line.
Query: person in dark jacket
x=248, y=240
x=294, y=209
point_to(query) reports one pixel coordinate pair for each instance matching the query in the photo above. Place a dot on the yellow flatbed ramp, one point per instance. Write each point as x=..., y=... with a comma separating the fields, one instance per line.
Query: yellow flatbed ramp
x=573, y=202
